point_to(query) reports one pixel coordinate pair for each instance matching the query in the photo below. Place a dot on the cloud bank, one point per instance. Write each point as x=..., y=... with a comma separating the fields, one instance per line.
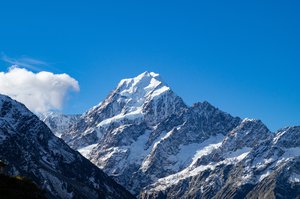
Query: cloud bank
x=40, y=92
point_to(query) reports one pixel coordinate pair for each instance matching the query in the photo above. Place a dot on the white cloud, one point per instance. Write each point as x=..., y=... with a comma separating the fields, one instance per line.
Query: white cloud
x=40, y=92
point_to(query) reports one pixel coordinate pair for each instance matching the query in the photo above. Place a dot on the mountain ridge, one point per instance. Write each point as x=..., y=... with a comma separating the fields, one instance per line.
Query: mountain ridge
x=158, y=147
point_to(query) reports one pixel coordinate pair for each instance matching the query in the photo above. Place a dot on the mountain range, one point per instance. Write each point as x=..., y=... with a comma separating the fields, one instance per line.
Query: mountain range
x=148, y=140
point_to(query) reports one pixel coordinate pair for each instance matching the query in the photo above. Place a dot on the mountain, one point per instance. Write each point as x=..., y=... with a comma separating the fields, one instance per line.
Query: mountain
x=58, y=122
x=143, y=98
x=30, y=149
x=146, y=138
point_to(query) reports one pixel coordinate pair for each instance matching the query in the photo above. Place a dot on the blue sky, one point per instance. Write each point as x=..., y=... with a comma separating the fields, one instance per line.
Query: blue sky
x=241, y=56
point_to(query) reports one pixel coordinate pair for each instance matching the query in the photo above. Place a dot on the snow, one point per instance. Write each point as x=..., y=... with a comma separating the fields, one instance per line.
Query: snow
x=263, y=176
x=245, y=120
x=86, y=150
x=135, y=92
x=130, y=116
x=43, y=156
x=59, y=123
x=152, y=85
x=140, y=86
x=160, y=91
x=154, y=74
x=232, y=158
x=111, y=151
x=294, y=178
x=137, y=150
x=267, y=165
x=57, y=184
x=126, y=106
x=192, y=152
x=239, y=154
x=261, y=164
x=146, y=162
x=208, y=146
x=288, y=154
x=167, y=135
x=16, y=109
x=278, y=136
x=292, y=152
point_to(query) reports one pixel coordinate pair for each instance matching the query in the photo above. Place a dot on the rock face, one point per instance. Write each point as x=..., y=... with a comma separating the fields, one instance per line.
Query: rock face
x=30, y=149
x=151, y=142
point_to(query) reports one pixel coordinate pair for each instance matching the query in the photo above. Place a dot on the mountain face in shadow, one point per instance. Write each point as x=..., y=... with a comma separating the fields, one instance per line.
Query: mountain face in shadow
x=30, y=149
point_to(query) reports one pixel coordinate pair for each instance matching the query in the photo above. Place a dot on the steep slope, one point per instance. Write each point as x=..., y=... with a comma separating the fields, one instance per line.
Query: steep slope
x=30, y=149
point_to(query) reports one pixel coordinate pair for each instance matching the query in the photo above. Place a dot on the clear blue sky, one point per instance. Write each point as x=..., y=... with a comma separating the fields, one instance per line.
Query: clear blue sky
x=241, y=56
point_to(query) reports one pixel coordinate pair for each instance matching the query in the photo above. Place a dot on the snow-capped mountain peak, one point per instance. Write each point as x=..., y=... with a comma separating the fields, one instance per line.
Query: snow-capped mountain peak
x=132, y=94
x=142, y=78
x=142, y=99
x=145, y=86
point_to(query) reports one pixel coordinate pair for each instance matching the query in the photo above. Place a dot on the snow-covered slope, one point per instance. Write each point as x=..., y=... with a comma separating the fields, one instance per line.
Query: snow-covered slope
x=151, y=142
x=59, y=123
x=270, y=169
x=30, y=149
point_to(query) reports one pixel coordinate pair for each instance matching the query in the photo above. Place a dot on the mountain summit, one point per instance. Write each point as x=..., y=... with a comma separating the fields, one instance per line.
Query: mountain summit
x=142, y=99
x=133, y=98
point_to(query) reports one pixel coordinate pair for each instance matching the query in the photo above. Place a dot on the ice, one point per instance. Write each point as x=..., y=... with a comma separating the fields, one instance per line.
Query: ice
x=263, y=176
x=192, y=152
x=231, y=158
x=86, y=150
x=137, y=148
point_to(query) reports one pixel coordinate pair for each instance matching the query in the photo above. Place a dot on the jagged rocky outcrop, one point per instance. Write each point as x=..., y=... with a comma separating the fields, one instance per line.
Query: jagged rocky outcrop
x=151, y=142
x=30, y=149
